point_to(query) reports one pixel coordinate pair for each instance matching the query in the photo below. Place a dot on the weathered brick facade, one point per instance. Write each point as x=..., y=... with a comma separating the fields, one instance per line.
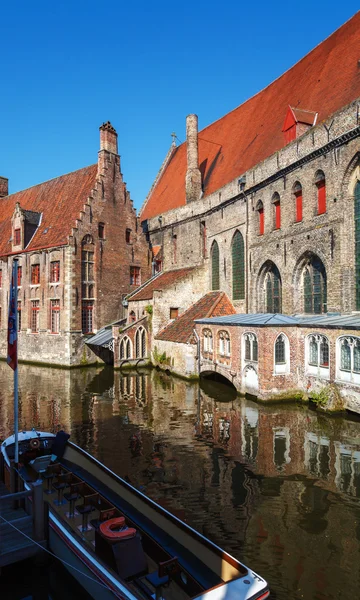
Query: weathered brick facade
x=89, y=288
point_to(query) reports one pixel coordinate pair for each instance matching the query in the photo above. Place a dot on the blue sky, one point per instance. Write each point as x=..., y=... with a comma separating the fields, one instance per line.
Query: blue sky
x=66, y=67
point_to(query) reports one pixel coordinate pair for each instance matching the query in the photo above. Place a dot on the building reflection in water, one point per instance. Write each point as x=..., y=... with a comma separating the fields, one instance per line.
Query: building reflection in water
x=273, y=485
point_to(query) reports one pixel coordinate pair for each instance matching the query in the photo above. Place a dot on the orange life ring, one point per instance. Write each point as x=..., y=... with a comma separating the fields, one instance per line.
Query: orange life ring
x=34, y=443
x=107, y=530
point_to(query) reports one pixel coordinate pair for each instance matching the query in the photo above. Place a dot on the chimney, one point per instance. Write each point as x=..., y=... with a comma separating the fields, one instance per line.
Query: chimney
x=193, y=175
x=4, y=187
x=108, y=138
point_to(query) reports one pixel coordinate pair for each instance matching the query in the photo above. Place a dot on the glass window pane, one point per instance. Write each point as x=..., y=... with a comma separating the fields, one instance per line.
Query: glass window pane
x=324, y=353
x=255, y=349
x=238, y=267
x=357, y=357
x=345, y=356
x=308, y=304
x=215, y=267
x=280, y=351
x=313, y=352
x=247, y=348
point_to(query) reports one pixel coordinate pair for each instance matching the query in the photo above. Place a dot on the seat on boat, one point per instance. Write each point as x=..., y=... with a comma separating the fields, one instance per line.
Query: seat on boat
x=40, y=463
x=115, y=530
x=125, y=555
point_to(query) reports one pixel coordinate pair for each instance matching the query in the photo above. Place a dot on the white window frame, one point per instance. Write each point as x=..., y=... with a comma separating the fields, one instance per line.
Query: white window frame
x=282, y=368
x=252, y=337
x=350, y=376
x=316, y=370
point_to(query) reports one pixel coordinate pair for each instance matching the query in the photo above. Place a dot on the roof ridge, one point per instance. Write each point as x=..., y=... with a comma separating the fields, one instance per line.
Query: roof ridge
x=46, y=181
x=215, y=303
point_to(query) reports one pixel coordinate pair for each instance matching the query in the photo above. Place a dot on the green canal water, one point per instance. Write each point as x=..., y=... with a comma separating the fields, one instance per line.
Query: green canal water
x=276, y=486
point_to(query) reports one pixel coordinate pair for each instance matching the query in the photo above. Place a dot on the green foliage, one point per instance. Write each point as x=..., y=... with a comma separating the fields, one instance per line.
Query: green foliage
x=161, y=359
x=320, y=398
x=149, y=309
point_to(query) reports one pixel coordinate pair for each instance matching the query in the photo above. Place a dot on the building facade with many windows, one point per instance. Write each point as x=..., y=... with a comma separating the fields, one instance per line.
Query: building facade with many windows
x=80, y=250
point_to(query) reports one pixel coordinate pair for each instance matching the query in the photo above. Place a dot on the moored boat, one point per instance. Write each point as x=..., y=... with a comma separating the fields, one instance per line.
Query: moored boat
x=115, y=540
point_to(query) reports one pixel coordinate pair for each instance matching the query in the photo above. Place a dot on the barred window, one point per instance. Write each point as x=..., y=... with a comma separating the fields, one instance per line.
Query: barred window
x=238, y=266
x=280, y=350
x=215, y=267
x=87, y=316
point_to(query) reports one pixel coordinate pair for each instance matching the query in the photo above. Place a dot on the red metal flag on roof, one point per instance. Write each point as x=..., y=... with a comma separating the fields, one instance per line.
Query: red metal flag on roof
x=12, y=328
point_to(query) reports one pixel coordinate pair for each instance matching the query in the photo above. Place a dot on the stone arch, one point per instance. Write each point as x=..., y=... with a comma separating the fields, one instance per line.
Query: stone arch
x=310, y=284
x=269, y=288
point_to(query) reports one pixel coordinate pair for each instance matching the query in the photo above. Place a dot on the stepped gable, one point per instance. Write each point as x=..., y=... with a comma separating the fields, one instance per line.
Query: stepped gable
x=59, y=201
x=160, y=282
x=325, y=80
x=214, y=304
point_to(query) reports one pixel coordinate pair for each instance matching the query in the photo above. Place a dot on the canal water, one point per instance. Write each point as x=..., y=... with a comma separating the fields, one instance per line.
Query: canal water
x=277, y=486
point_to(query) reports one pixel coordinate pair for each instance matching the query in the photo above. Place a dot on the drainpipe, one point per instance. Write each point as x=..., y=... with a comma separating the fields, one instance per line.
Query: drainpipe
x=198, y=348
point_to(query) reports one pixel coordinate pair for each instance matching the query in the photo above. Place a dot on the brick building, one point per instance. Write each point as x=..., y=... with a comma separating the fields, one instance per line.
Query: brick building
x=264, y=203
x=80, y=250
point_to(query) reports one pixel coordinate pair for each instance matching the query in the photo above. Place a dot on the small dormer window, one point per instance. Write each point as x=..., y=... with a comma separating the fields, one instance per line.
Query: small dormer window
x=297, y=121
x=17, y=237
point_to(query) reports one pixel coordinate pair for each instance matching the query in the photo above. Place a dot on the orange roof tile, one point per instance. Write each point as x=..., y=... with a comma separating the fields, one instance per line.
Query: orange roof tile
x=180, y=330
x=323, y=81
x=162, y=281
x=59, y=200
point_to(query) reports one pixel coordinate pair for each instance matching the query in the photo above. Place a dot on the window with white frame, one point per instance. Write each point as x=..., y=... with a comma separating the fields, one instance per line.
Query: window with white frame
x=207, y=341
x=250, y=347
x=224, y=343
x=348, y=359
x=317, y=355
x=281, y=355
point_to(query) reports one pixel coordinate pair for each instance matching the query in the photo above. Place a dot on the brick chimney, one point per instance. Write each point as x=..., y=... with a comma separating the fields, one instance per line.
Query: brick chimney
x=108, y=138
x=193, y=175
x=4, y=187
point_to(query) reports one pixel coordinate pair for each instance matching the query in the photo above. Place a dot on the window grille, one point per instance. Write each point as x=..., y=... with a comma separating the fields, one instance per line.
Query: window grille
x=345, y=356
x=87, y=316
x=324, y=353
x=17, y=236
x=313, y=351
x=255, y=349
x=280, y=351
x=315, y=290
x=215, y=267
x=357, y=357
x=143, y=343
x=247, y=348
x=238, y=266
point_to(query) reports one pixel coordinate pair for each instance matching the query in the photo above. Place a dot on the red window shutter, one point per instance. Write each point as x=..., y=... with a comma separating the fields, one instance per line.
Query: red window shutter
x=277, y=215
x=261, y=221
x=321, y=197
x=299, y=207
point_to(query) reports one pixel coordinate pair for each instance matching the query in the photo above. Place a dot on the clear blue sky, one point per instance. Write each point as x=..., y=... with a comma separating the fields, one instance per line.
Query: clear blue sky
x=68, y=66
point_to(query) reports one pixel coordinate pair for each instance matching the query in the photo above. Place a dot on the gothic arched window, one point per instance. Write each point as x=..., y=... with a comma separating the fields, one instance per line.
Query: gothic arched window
x=238, y=266
x=215, y=267
x=314, y=285
x=273, y=290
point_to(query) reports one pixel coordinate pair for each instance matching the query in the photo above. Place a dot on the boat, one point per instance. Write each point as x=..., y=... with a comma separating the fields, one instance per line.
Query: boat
x=115, y=540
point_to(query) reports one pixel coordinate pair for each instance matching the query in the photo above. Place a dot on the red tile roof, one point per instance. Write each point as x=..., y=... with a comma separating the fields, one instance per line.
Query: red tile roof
x=180, y=330
x=162, y=281
x=325, y=80
x=59, y=201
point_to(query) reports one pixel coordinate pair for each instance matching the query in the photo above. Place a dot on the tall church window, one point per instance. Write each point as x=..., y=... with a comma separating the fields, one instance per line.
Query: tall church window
x=215, y=267
x=314, y=285
x=277, y=210
x=280, y=350
x=357, y=243
x=238, y=267
x=87, y=284
x=273, y=290
x=260, y=211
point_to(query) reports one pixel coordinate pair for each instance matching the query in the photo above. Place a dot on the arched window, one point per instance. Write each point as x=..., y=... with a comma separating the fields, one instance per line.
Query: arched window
x=357, y=242
x=318, y=351
x=260, y=211
x=273, y=290
x=125, y=348
x=224, y=343
x=215, y=267
x=250, y=347
x=321, y=192
x=132, y=317
x=348, y=359
x=87, y=283
x=140, y=343
x=280, y=350
x=314, y=285
x=238, y=267
x=277, y=210
x=207, y=340
x=297, y=190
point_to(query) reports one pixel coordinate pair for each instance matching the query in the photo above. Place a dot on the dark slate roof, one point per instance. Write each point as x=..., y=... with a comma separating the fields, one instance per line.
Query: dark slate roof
x=32, y=217
x=332, y=321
